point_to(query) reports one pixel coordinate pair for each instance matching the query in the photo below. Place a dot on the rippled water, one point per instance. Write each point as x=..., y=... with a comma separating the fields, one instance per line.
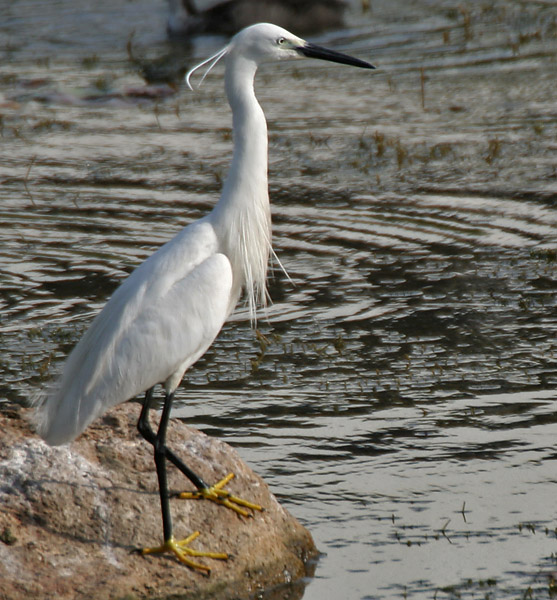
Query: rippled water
x=400, y=395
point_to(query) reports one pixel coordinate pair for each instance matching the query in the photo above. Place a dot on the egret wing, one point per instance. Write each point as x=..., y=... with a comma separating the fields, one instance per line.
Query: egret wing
x=158, y=323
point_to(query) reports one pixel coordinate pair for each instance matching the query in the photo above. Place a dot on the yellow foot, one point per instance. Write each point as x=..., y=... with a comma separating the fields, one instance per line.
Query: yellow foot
x=220, y=496
x=183, y=553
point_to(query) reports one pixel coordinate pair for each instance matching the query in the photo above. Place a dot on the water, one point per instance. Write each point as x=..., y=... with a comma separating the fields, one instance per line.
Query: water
x=400, y=396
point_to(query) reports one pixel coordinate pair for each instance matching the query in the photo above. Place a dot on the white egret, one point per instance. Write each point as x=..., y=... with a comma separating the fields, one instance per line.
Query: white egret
x=167, y=313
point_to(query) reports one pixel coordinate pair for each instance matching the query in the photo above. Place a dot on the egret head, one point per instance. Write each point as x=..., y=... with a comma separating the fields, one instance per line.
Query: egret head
x=265, y=42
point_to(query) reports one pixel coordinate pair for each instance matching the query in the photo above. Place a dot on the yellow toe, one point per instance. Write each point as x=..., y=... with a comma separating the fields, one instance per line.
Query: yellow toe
x=182, y=551
x=215, y=493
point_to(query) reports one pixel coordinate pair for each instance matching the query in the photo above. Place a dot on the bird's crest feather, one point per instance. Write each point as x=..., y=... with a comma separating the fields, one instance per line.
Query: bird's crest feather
x=212, y=60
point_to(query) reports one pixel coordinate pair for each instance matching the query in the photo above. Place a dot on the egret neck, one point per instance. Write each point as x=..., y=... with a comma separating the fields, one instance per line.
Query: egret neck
x=242, y=217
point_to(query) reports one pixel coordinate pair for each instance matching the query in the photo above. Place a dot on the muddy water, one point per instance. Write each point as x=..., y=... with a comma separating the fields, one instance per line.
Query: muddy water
x=400, y=398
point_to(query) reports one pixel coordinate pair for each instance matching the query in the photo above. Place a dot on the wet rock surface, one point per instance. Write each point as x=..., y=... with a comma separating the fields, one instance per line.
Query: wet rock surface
x=73, y=515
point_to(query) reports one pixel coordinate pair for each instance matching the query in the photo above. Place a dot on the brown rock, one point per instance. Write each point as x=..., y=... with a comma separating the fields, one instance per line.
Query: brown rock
x=71, y=516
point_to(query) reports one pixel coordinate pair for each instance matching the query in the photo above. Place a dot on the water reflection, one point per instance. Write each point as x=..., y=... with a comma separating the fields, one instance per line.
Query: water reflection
x=399, y=397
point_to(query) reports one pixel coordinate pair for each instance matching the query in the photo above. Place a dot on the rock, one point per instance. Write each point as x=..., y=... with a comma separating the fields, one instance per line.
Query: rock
x=71, y=517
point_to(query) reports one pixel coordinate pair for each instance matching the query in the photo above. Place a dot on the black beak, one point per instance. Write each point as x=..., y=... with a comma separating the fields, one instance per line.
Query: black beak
x=313, y=51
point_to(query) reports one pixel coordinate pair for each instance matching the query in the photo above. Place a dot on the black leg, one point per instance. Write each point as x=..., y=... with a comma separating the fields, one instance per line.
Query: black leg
x=158, y=441
x=160, y=464
x=179, y=548
x=143, y=425
x=163, y=453
x=191, y=475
